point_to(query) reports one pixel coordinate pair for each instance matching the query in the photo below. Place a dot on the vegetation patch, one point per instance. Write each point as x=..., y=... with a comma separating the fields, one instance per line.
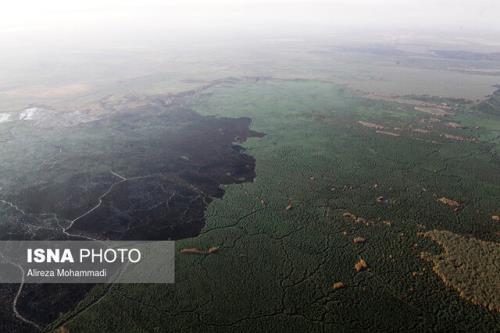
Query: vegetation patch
x=469, y=265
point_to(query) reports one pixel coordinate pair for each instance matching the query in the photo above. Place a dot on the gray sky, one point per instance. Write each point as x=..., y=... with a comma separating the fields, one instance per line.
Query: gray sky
x=64, y=21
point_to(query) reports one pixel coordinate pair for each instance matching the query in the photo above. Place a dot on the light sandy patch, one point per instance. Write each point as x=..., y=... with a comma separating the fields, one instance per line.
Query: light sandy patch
x=452, y=124
x=403, y=81
x=449, y=202
x=435, y=111
x=387, y=133
x=397, y=99
x=421, y=130
x=48, y=91
x=29, y=113
x=370, y=125
x=4, y=117
x=458, y=138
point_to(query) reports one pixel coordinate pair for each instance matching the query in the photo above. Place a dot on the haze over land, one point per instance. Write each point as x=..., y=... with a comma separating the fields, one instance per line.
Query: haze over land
x=73, y=38
x=322, y=165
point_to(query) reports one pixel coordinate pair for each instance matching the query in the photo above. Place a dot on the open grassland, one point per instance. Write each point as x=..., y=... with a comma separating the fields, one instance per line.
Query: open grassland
x=327, y=236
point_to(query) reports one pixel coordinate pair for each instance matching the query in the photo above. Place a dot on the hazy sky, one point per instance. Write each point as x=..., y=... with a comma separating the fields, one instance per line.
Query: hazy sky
x=106, y=20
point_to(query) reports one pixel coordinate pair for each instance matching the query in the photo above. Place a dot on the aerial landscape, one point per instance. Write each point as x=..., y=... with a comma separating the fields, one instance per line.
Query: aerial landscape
x=314, y=177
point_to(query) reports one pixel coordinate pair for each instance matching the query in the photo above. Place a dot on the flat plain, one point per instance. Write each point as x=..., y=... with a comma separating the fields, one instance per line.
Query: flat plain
x=310, y=185
x=324, y=179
